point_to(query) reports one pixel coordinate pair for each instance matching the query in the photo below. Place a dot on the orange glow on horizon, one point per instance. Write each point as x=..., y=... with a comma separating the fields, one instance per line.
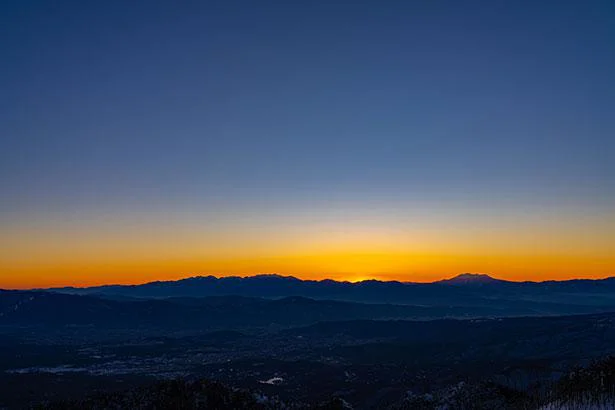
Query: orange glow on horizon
x=351, y=267
x=353, y=247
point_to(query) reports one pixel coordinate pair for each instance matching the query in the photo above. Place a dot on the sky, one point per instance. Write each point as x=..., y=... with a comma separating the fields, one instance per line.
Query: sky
x=151, y=140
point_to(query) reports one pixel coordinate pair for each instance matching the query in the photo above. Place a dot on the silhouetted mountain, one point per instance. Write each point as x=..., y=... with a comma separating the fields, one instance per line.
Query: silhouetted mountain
x=469, y=290
x=472, y=279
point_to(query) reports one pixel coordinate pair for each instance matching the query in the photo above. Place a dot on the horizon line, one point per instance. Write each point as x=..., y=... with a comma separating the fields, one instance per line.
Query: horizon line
x=371, y=279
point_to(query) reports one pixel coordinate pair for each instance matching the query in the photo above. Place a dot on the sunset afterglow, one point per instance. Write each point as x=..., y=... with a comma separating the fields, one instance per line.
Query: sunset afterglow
x=408, y=244
x=141, y=142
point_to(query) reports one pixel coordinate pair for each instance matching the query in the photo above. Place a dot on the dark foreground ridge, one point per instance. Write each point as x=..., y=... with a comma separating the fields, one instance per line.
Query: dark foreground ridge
x=592, y=387
x=367, y=363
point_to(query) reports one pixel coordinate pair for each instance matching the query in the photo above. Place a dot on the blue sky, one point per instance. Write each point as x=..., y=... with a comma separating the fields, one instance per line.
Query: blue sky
x=238, y=105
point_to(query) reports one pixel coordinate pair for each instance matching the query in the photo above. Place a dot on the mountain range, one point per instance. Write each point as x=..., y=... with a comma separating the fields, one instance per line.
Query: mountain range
x=264, y=300
x=462, y=290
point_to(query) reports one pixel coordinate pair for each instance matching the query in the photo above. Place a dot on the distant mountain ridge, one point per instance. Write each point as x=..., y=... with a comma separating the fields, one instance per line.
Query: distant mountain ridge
x=463, y=278
x=469, y=290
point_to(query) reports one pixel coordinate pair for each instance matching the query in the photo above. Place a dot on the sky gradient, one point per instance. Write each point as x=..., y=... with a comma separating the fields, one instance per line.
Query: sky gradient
x=350, y=140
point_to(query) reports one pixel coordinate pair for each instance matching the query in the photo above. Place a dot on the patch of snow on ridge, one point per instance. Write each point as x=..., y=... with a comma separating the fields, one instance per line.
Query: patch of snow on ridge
x=578, y=405
x=272, y=381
